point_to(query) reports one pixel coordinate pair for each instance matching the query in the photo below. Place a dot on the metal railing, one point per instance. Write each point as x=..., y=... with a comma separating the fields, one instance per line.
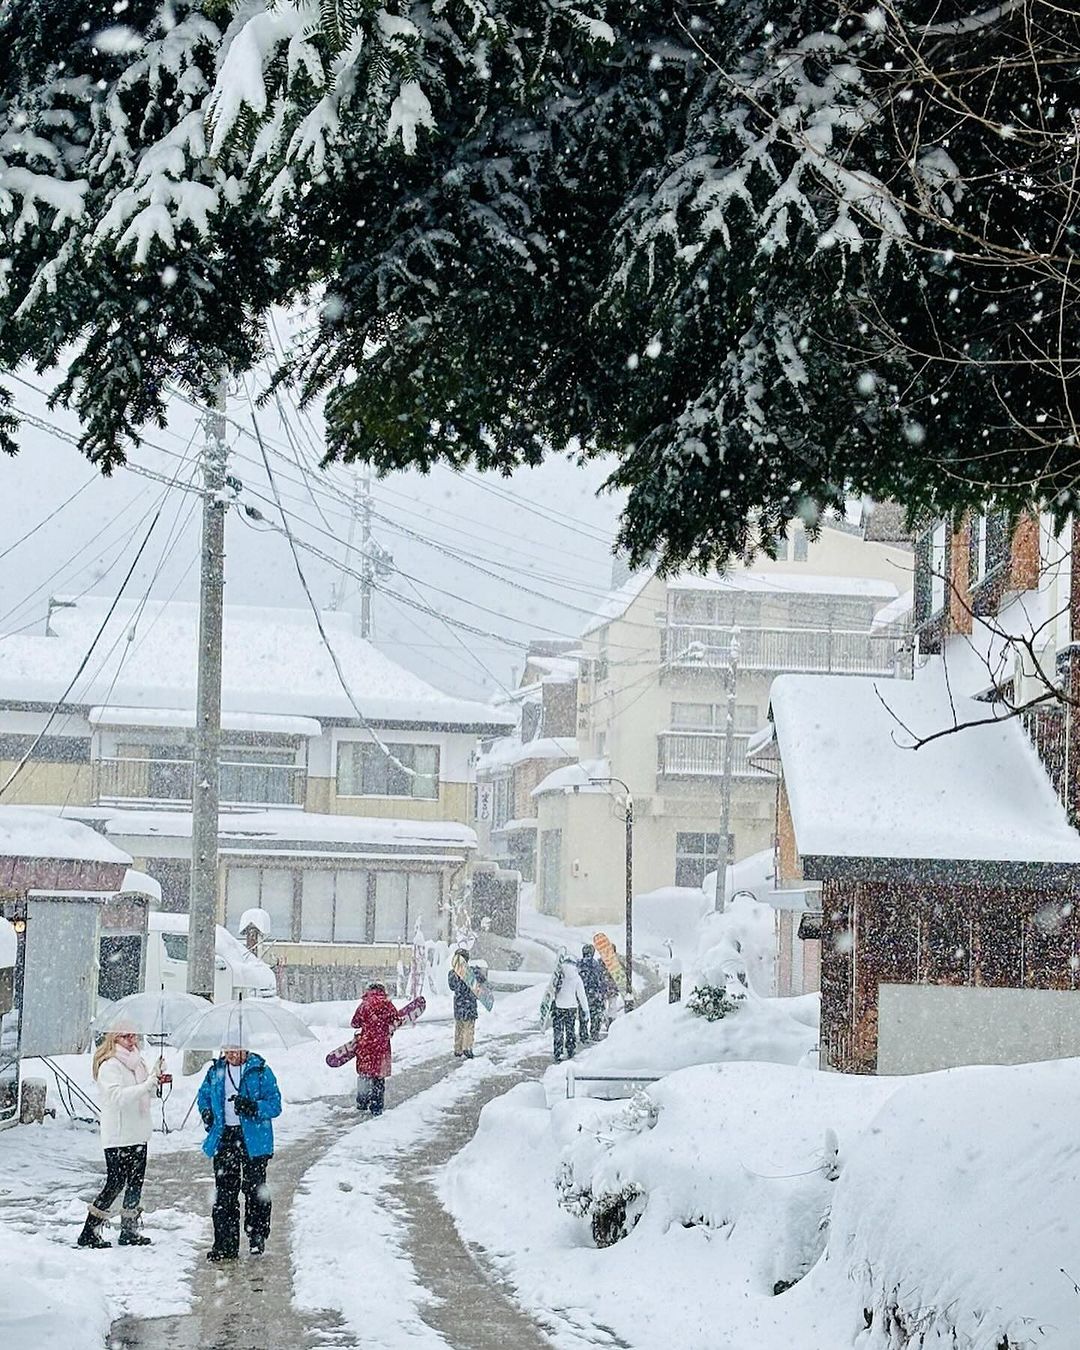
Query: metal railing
x=818, y=650
x=700, y=754
x=170, y=780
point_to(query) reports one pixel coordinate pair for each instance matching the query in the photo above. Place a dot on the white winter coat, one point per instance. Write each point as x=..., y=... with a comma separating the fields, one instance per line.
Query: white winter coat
x=125, y=1105
x=571, y=991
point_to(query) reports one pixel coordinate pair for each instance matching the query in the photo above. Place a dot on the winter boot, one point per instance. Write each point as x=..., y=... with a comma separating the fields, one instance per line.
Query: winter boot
x=91, y=1233
x=129, y=1230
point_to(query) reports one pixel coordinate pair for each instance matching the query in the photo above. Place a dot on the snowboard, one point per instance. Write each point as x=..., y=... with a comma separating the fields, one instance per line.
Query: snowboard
x=606, y=952
x=345, y=1054
x=478, y=988
x=547, y=1003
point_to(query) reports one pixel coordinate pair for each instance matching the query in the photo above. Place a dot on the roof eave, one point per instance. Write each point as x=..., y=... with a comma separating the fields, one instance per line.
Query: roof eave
x=973, y=872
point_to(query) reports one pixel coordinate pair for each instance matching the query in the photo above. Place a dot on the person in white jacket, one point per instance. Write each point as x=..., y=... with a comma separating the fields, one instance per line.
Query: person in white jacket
x=569, y=998
x=125, y=1089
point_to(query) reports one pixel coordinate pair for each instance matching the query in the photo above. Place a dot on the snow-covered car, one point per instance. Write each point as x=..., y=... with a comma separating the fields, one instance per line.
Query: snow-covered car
x=236, y=970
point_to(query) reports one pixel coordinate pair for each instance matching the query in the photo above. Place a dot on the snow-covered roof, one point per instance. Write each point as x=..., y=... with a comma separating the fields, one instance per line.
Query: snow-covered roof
x=858, y=790
x=36, y=834
x=783, y=583
x=508, y=751
x=555, y=669
x=299, y=827
x=184, y=719
x=618, y=601
x=895, y=613
x=575, y=778
x=138, y=883
x=274, y=662
x=513, y=826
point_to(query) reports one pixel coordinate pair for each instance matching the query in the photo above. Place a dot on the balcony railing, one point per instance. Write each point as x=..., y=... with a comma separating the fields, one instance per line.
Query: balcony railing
x=170, y=780
x=817, y=650
x=700, y=754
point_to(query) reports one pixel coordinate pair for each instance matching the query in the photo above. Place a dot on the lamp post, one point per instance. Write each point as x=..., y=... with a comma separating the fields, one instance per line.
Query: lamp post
x=599, y=782
x=724, y=860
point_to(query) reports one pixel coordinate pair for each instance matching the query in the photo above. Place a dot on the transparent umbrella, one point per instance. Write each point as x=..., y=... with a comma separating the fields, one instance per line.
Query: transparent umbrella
x=156, y=1013
x=248, y=1024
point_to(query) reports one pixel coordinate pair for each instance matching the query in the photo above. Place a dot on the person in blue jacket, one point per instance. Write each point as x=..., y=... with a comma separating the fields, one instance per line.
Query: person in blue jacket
x=238, y=1099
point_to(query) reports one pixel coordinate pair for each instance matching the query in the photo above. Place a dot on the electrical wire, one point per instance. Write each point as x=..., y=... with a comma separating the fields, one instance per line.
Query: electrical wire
x=51, y=516
x=85, y=660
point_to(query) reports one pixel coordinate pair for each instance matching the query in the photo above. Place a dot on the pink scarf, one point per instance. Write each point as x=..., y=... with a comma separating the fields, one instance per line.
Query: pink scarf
x=132, y=1061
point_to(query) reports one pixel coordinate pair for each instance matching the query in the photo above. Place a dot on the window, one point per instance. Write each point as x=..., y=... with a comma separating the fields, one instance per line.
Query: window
x=696, y=855
x=364, y=770
x=989, y=545
x=175, y=945
x=258, y=888
x=713, y=717
x=256, y=774
x=780, y=548
x=800, y=546
x=939, y=548
x=350, y=905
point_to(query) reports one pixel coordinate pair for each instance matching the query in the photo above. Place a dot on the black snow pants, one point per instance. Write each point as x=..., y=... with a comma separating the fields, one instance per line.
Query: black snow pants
x=125, y=1169
x=234, y=1172
x=563, y=1026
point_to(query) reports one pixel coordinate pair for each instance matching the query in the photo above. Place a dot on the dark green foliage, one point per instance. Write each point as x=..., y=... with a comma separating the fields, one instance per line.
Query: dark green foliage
x=712, y=1002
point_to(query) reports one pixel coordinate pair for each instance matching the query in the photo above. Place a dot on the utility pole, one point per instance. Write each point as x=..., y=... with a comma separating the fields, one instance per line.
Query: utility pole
x=629, y=820
x=204, y=786
x=724, y=859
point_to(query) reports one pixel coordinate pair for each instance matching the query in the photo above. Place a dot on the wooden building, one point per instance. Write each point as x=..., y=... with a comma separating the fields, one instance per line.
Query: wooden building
x=949, y=875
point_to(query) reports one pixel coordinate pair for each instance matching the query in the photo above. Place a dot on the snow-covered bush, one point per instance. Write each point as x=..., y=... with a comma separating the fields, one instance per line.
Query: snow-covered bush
x=712, y=1001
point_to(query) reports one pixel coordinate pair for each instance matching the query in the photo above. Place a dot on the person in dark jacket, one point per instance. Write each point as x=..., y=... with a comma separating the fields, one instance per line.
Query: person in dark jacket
x=238, y=1100
x=465, y=1007
x=592, y=977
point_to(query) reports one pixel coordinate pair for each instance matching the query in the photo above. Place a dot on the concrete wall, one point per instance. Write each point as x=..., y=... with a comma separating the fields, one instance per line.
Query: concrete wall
x=47, y=783
x=925, y=1027
x=453, y=803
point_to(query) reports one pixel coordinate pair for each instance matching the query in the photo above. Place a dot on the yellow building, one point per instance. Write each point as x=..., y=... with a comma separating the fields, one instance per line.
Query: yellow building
x=653, y=704
x=346, y=798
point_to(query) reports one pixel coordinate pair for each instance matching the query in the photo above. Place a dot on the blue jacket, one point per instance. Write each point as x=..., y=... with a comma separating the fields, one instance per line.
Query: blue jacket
x=256, y=1081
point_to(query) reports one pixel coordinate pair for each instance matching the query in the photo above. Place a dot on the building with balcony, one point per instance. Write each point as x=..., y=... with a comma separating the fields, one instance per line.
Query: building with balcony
x=509, y=767
x=662, y=664
x=346, y=811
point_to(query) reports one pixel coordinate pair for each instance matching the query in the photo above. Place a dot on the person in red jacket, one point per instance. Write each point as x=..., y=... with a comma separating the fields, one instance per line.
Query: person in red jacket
x=376, y=1019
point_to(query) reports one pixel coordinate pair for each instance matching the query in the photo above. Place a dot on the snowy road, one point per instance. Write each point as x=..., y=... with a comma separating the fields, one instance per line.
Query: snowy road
x=374, y=1259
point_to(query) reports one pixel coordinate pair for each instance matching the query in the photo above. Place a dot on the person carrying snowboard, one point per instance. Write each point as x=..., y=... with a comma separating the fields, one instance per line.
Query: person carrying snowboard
x=376, y=1019
x=465, y=1007
x=593, y=974
x=569, y=999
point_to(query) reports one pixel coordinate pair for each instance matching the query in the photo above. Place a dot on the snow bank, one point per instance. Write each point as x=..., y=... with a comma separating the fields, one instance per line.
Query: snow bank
x=661, y=1037
x=959, y=1212
x=44, y=1301
x=777, y=1208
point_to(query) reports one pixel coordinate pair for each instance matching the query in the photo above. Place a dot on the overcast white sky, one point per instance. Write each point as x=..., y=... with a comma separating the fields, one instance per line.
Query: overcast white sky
x=548, y=524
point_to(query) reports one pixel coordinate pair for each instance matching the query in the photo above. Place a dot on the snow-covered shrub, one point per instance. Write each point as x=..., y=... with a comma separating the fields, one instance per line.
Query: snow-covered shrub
x=590, y=1189
x=712, y=1001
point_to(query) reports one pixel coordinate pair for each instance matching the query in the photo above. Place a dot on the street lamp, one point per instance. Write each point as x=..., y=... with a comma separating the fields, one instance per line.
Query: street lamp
x=600, y=782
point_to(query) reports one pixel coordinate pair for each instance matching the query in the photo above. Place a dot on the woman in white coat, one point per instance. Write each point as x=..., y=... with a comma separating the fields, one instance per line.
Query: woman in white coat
x=125, y=1089
x=569, y=998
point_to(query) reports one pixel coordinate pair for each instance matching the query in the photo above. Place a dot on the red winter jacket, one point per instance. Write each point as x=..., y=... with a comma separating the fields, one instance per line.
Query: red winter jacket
x=376, y=1019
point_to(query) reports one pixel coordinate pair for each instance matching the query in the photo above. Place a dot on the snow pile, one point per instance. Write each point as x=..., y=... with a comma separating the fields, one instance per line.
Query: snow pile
x=739, y=943
x=973, y=1239
x=777, y=1208
x=25, y=833
x=661, y=1037
x=44, y=1300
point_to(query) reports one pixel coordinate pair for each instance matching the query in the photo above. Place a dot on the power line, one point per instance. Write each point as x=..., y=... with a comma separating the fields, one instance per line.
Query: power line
x=51, y=516
x=85, y=660
x=364, y=723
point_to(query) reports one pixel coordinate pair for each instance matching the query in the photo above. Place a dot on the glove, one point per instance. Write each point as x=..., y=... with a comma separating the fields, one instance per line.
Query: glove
x=207, y=1118
x=246, y=1107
